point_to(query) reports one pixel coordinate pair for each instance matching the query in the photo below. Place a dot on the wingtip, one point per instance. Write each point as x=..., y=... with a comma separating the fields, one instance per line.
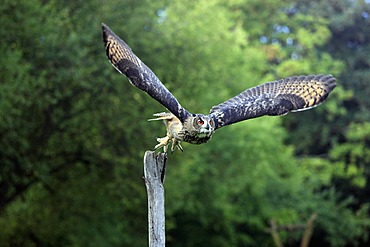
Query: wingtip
x=104, y=26
x=330, y=81
x=107, y=31
x=327, y=79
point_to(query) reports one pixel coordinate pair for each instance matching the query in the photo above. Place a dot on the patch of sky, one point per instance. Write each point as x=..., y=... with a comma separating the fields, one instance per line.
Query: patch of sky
x=289, y=41
x=263, y=39
x=162, y=15
x=281, y=28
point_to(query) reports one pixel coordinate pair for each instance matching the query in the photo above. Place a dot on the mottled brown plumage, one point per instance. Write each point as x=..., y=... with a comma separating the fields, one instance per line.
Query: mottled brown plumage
x=275, y=98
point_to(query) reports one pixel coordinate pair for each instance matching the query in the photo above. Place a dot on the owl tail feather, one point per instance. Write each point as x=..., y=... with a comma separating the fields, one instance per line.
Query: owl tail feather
x=162, y=116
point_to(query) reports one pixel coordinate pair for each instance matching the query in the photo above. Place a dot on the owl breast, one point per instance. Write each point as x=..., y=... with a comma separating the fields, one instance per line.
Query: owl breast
x=194, y=137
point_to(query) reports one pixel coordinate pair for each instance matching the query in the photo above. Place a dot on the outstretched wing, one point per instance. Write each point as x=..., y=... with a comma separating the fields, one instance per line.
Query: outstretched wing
x=127, y=63
x=275, y=98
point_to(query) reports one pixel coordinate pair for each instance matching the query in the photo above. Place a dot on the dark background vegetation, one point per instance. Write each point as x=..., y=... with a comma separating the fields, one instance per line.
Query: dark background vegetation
x=73, y=131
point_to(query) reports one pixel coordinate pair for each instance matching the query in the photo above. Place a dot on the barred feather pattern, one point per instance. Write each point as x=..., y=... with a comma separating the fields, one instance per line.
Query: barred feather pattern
x=275, y=98
x=126, y=62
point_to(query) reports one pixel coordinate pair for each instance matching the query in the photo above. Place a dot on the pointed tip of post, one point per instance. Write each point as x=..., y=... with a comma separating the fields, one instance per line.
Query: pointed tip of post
x=155, y=163
x=153, y=154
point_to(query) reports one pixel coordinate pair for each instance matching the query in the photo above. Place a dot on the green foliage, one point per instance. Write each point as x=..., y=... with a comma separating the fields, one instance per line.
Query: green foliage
x=73, y=131
x=353, y=156
x=231, y=204
x=54, y=107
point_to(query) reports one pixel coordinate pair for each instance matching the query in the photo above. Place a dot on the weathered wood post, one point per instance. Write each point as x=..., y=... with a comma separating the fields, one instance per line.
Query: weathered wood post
x=154, y=173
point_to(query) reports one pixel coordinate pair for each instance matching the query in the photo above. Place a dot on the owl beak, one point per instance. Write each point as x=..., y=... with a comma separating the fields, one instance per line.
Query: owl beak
x=208, y=127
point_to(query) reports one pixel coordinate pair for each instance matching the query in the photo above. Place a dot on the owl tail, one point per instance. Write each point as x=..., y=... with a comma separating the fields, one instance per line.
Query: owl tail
x=162, y=116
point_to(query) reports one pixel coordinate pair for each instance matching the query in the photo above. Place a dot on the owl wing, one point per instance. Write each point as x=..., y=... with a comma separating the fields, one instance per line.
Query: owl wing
x=296, y=93
x=139, y=75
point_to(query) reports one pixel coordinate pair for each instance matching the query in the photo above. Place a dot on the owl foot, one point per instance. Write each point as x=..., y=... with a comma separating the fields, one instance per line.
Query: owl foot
x=164, y=141
x=173, y=126
x=176, y=144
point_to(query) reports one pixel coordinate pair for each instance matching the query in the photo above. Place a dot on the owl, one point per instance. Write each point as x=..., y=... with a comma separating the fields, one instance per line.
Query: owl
x=296, y=93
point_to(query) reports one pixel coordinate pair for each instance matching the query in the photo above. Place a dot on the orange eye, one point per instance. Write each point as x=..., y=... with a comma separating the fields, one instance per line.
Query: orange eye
x=211, y=122
x=200, y=122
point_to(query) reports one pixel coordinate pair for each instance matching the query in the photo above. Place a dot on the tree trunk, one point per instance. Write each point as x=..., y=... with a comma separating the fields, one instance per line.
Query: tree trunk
x=154, y=173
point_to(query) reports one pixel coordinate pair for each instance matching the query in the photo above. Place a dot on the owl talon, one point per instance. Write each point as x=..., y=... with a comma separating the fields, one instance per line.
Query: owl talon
x=176, y=144
x=163, y=142
x=180, y=147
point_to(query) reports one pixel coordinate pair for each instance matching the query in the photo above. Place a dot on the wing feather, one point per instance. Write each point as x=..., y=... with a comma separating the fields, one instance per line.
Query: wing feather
x=126, y=62
x=296, y=93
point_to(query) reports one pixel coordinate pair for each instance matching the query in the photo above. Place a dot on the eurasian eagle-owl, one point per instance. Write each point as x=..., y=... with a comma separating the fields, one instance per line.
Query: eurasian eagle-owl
x=274, y=98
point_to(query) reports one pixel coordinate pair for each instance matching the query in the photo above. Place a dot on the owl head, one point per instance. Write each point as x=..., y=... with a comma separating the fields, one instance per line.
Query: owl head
x=202, y=125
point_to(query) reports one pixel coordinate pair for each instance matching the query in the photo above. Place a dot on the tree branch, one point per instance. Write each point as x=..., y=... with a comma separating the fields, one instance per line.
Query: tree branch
x=308, y=231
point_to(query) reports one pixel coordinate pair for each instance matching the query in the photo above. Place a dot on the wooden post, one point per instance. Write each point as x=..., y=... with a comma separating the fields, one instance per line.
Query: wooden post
x=154, y=173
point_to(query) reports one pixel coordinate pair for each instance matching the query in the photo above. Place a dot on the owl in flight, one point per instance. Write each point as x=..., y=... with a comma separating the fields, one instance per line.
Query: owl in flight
x=274, y=98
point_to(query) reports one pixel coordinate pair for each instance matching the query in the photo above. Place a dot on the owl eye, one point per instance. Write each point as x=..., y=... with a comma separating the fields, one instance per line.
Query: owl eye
x=211, y=122
x=200, y=122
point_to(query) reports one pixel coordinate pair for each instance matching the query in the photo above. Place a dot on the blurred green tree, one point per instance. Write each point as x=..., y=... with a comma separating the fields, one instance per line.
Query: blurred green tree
x=73, y=131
